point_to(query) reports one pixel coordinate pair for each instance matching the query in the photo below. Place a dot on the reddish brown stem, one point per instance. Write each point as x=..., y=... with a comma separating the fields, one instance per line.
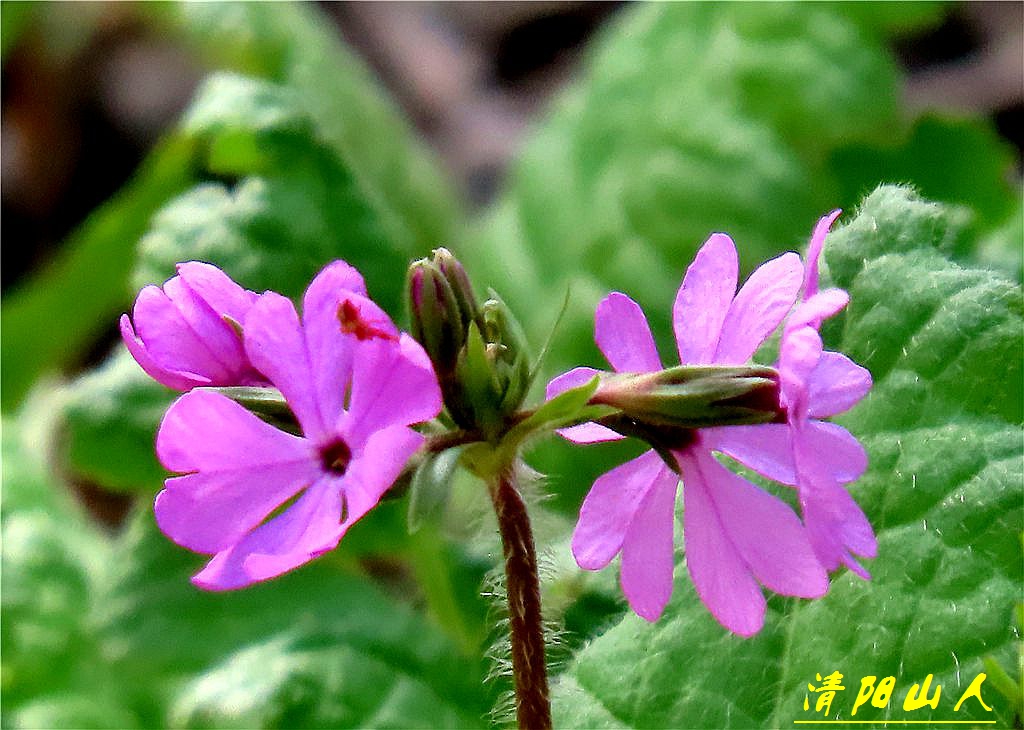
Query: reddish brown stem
x=533, y=708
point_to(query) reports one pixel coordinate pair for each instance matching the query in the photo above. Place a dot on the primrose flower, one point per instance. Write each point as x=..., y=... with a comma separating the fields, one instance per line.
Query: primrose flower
x=815, y=456
x=188, y=333
x=737, y=537
x=355, y=385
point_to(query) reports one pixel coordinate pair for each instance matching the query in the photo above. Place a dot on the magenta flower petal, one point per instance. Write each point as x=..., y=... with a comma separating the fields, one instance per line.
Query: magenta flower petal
x=336, y=289
x=836, y=385
x=375, y=467
x=759, y=307
x=840, y=454
x=835, y=523
x=334, y=334
x=720, y=575
x=818, y=308
x=814, y=248
x=837, y=527
x=572, y=379
x=391, y=385
x=623, y=335
x=172, y=340
x=185, y=334
x=221, y=341
x=610, y=507
x=307, y=529
x=703, y=300
x=337, y=276
x=171, y=377
x=764, y=530
x=648, y=557
x=217, y=289
x=240, y=469
x=585, y=433
x=229, y=450
x=800, y=353
x=203, y=430
x=589, y=433
x=766, y=448
x=276, y=345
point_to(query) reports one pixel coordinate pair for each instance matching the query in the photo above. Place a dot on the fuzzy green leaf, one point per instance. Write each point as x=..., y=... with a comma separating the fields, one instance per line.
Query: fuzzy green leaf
x=155, y=624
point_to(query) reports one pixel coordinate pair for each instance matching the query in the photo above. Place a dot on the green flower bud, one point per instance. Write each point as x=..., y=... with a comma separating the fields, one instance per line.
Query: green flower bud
x=478, y=351
x=695, y=396
x=508, y=351
x=437, y=322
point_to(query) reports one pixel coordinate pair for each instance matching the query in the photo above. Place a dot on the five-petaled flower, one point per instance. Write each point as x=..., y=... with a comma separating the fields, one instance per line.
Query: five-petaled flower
x=736, y=535
x=355, y=384
x=187, y=334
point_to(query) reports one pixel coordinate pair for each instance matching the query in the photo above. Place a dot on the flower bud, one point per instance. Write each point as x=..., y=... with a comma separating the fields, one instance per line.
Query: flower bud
x=458, y=280
x=695, y=396
x=478, y=351
x=437, y=321
x=507, y=351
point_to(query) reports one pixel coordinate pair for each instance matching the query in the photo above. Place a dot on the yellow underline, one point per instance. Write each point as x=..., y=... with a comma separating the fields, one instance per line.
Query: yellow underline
x=894, y=722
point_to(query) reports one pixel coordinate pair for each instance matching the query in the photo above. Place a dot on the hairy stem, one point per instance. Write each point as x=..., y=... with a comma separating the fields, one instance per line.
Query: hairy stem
x=533, y=708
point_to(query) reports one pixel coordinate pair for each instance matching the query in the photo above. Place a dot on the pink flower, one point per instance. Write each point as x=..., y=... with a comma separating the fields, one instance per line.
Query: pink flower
x=355, y=385
x=186, y=334
x=815, y=456
x=737, y=537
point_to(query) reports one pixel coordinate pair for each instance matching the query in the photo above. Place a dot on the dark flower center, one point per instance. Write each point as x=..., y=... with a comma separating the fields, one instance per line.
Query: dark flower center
x=336, y=456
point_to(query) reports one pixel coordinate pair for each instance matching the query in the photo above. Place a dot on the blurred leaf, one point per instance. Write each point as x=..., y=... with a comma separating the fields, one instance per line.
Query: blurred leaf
x=156, y=625
x=110, y=426
x=294, y=208
x=943, y=491
x=294, y=45
x=429, y=488
x=954, y=161
x=295, y=205
x=317, y=680
x=49, y=552
x=15, y=18
x=50, y=319
x=1003, y=248
x=81, y=710
x=890, y=17
x=361, y=187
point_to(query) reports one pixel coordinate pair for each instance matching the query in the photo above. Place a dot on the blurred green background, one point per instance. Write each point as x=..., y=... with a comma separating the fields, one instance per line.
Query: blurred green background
x=553, y=146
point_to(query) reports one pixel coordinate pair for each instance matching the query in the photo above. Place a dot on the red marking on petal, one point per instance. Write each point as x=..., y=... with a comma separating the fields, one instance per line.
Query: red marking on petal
x=352, y=323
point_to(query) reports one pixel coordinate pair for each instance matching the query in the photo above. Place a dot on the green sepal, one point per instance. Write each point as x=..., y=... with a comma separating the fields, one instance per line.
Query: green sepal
x=430, y=488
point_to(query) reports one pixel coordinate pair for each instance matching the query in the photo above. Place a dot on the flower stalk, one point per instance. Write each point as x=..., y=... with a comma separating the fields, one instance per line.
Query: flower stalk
x=526, y=629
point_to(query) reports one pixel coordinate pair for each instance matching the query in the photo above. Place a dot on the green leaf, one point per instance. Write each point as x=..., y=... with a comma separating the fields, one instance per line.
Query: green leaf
x=294, y=45
x=50, y=555
x=429, y=488
x=565, y=408
x=51, y=318
x=943, y=491
x=295, y=206
x=156, y=625
x=961, y=161
x=344, y=171
x=111, y=417
x=317, y=680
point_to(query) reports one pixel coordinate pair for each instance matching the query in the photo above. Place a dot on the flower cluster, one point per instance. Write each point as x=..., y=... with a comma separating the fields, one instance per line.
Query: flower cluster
x=260, y=499
x=737, y=536
x=263, y=490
